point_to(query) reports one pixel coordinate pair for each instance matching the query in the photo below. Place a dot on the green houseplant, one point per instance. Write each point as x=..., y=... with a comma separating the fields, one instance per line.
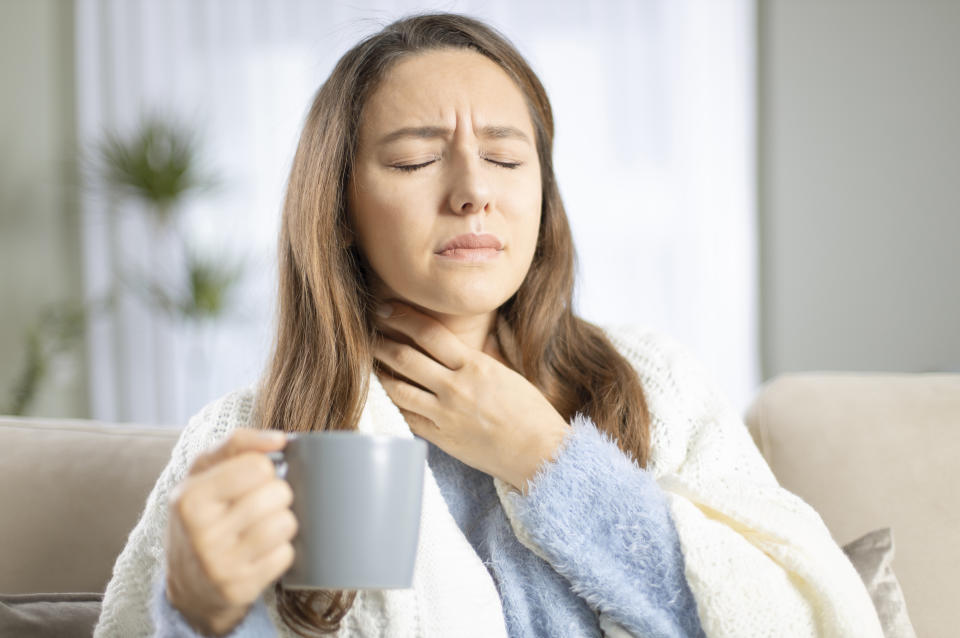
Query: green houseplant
x=158, y=167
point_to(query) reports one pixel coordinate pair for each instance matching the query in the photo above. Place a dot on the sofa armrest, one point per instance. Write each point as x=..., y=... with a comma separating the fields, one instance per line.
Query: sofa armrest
x=875, y=450
x=70, y=492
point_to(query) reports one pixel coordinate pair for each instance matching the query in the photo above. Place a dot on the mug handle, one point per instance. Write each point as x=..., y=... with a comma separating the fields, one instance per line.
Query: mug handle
x=279, y=460
x=279, y=463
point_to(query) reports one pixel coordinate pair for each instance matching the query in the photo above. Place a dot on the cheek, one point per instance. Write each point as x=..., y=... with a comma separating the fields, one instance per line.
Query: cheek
x=388, y=226
x=525, y=205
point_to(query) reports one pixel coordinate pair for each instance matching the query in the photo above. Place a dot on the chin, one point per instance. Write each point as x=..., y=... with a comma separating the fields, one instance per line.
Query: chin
x=461, y=301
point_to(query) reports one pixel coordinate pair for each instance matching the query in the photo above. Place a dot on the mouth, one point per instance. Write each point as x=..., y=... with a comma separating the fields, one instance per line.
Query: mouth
x=472, y=241
x=470, y=254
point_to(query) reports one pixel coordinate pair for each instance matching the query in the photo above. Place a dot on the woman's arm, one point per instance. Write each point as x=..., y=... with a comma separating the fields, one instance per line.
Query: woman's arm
x=125, y=612
x=603, y=523
x=758, y=559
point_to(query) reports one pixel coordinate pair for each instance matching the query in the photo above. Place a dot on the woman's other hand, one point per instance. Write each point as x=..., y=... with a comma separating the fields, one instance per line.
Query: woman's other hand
x=229, y=531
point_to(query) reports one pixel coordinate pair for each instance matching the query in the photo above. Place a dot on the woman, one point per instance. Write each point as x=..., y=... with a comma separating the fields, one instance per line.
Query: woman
x=426, y=277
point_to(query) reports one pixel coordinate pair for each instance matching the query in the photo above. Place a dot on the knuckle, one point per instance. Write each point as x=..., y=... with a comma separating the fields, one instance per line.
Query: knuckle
x=280, y=560
x=287, y=555
x=240, y=435
x=447, y=387
x=432, y=333
x=279, y=527
x=236, y=593
x=407, y=393
x=265, y=466
x=285, y=492
x=282, y=488
x=198, y=464
x=479, y=368
x=236, y=442
x=213, y=569
x=182, y=502
x=480, y=371
x=233, y=442
x=400, y=354
x=290, y=524
x=459, y=391
x=206, y=542
x=258, y=465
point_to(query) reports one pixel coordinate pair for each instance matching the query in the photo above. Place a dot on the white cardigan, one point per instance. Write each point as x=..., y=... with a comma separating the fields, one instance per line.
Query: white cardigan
x=758, y=559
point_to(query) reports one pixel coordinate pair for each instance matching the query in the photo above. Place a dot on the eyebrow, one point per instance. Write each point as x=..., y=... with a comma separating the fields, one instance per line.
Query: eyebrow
x=429, y=132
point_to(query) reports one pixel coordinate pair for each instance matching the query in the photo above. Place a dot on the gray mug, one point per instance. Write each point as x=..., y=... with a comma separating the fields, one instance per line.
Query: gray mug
x=357, y=498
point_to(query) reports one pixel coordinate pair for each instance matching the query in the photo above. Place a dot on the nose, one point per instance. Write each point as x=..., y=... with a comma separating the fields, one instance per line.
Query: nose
x=470, y=191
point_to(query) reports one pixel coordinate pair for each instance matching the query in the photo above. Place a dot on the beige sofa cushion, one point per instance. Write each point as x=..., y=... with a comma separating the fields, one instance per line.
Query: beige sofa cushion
x=876, y=450
x=70, y=493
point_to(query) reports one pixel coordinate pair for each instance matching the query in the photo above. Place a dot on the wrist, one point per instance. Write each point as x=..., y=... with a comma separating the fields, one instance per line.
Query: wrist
x=543, y=451
x=205, y=622
x=217, y=625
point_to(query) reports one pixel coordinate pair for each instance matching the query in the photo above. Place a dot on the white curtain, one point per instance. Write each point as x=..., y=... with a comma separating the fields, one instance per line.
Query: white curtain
x=654, y=112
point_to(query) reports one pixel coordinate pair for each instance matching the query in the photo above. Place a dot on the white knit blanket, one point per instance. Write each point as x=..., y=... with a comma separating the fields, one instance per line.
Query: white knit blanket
x=759, y=560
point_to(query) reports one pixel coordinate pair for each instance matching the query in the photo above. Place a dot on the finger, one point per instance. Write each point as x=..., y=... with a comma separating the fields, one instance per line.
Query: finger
x=409, y=397
x=428, y=333
x=411, y=363
x=420, y=425
x=240, y=440
x=273, y=496
x=262, y=537
x=224, y=483
x=252, y=578
x=274, y=564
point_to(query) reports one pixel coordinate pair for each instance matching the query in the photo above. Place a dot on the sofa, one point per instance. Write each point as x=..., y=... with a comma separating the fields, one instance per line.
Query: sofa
x=868, y=451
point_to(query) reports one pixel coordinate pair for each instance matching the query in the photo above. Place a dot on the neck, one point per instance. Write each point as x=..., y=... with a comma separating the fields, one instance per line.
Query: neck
x=472, y=330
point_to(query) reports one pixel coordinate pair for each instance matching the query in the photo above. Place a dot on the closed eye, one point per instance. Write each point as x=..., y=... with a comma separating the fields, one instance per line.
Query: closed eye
x=414, y=167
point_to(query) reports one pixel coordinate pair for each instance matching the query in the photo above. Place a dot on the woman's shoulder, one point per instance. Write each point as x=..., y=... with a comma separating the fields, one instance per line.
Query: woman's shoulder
x=653, y=352
x=220, y=416
x=231, y=409
x=674, y=379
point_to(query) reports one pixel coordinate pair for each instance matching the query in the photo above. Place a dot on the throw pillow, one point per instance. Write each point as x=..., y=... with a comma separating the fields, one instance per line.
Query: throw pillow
x=49, y=615
x=872, y=556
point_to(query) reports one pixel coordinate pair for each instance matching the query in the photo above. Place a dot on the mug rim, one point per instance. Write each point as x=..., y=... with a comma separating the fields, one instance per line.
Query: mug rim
x=291, y=436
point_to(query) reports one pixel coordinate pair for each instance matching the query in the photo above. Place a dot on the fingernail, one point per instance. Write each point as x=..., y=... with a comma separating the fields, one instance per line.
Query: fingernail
x=273, y=436
x=384, y=310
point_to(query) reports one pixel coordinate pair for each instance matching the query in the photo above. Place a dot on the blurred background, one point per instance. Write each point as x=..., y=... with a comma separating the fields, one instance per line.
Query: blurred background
x=775, y=184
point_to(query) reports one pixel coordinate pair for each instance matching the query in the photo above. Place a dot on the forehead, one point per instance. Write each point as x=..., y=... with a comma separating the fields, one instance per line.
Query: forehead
x=439, y=87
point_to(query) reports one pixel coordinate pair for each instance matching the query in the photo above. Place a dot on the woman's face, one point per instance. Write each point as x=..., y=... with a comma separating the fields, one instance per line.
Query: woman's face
x=446, y=148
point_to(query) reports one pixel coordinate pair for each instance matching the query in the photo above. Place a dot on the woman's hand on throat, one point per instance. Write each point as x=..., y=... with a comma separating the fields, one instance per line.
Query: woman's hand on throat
x=469, y=403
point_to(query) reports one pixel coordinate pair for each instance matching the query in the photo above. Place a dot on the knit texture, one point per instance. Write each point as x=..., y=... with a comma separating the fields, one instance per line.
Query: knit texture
x=757, y=559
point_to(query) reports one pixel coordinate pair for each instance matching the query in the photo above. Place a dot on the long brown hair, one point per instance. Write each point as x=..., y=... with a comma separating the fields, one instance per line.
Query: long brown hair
x=321, y=360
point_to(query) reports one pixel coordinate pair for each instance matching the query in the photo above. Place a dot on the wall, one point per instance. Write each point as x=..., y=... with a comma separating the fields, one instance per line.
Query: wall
x=859, y=190
x=859, y=182
x=39, y=247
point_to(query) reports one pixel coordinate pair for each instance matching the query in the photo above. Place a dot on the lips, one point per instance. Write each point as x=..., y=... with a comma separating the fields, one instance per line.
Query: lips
x=472, y=241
